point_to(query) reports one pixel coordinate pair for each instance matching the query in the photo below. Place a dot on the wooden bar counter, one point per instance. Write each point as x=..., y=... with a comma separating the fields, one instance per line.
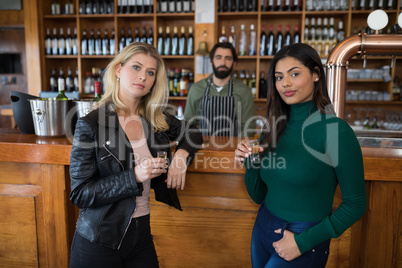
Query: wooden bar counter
x=214, y=228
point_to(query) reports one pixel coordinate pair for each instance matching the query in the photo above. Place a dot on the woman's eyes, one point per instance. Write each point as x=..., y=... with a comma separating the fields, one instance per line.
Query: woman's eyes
x=137, y=67
x=279, y=78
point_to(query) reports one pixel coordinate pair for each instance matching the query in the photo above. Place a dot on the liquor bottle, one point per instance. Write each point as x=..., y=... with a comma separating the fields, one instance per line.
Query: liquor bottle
x=172, y=6
x=326, y=44
x=249, y=6
x=91, y=43
x=48, y=42
x=112, y=43
x=306, y=30
x=186, y=6
x=95, y=7
x=341, y=33
x=164, y=6
x=233, y=5
x=76, y=81
x=190, y=41
x=175, y=42
x=97, y=91
x=263, y=42
x=240, y=5
x=87, y=82
x=61, y=87
x=84, y=43
x=150, y=38
x=242, y=41
x=140, y=6
x=69, y=81
x=55, y=7
x=176, y=82
x=122, y=42
x=69, y=43
x=110, y=7
x=318, y=36
x=182, y=42
x=103, y=7
x=263, y=86
x=296, y=35
x=105, y=44
x=53, y=81
x=252, y=48
x=223, y=37
x=61, y=43
x=179, y=6
x=55, y=41
x=160, y=41
x=81, y=7
x=184, y=82
x=271, y=41
x=171, y=81
x=167, y=42
x=129, y=38
x=331, y=34
x=98, y=43
x=136, y=35
x=312, y=33
x=224, y=6
x=252, y=83
x=143, y=37
x=288, y=37
x=88, y=7
x=279, y=39
x=75, y=42
x=232, y=36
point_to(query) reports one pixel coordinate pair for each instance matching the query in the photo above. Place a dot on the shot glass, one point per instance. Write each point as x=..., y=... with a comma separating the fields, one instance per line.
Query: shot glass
x=255, y=150
x=162, y=154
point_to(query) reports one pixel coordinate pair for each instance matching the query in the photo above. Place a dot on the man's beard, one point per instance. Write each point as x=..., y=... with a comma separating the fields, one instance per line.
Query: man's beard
x=222, y=74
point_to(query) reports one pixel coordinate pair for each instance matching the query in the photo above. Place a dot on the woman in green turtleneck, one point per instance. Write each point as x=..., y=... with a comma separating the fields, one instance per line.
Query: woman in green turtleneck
x=306, y=152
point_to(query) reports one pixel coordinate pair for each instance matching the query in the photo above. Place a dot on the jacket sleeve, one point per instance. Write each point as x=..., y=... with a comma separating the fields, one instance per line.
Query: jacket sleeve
x=187, y=135
x=90, y=188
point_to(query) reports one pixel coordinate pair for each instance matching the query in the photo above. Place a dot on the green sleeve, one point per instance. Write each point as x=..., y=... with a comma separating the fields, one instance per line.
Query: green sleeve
x=256, y=188
x=344, y=152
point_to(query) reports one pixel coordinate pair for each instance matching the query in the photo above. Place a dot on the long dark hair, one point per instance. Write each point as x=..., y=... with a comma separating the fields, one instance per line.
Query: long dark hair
x=277, y=110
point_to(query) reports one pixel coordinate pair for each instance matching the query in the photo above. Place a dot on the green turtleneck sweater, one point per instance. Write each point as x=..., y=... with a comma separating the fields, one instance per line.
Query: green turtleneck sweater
x=315, y=153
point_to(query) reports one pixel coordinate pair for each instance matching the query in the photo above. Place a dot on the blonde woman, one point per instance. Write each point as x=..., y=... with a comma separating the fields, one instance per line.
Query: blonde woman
x=114, y=162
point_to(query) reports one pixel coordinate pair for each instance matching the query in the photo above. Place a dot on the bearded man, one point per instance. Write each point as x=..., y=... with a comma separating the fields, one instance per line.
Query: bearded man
x=221, y=104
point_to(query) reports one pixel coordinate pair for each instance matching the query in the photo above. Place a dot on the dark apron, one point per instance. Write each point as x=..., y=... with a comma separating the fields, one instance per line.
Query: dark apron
x=218, y=116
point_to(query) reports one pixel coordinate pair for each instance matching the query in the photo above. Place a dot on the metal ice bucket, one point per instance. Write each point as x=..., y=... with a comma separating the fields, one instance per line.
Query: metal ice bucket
x=84, y=106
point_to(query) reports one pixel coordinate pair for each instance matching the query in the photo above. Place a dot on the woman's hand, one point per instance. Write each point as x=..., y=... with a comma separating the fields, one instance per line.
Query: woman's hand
x=150, y=168
x=176, y=177
x=243, y=150
x=286, y=248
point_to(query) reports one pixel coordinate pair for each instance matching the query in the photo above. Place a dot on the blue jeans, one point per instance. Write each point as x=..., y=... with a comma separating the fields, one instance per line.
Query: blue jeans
x=136, y=250
x=263, y=254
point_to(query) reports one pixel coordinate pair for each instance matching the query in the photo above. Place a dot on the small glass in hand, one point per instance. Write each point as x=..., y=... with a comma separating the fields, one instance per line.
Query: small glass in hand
x=162, y=154
x=255, y=151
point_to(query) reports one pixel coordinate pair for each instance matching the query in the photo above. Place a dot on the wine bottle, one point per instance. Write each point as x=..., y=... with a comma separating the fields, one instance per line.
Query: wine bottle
x=160, y=41
x=190, y=42
x=225, y=6
x=81, y=7
x=136, y=35
x=69, y=81
x=98, y=91
x=91, y=43
x=172, y=6
x=233, y=5
x=122, y=42
x=252, y=48
x=278, y=5
x=105, y=44
x=98, y=43
x=61, y=87
x=53, y=81
x=84, y=43
x=76, y=81
x=286, y=5
x=232, y=36
x=55, y=41
x=143, y=37
x=223, y=38
x=186, y=6
x=182, y=42
x=48, y=42
x=140, y=6
x=55, y=7
x=288, y=36
x=112, y=43
x=341, y=33
x=176, y=82
x=179, y=6
x=252, y=83
x=263, y=86
x=69, y=43
x=296, y=6
x=167, y=42
x=103, y=7
x=296, y=35
x=150, y=38
x=129, y=38
x=242, y=41
x=151, y=6
x=240, y=5
x=175, y=42
x=183, y=82
x=271, y=41
x=74, y=41
x=263, y=41
x=88, y=7
x=147, y=4
x=62, y=43
x=164, y=6
x=250, y=5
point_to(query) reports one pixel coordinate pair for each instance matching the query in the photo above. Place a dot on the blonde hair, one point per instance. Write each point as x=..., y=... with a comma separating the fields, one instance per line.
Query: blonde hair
x=153, y=104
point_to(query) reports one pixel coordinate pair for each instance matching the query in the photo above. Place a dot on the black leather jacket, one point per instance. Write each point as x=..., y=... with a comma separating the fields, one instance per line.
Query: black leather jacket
x=103, y=183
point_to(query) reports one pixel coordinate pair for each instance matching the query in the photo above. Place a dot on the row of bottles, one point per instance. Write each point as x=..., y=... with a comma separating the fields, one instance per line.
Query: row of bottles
x=98, y=45
x=145, y=36
x=70, y=82
x=135, y=6
x=175, y=6
x=373, y=4
x=321, y=35
x=271, y=43
x=91, y=77
x=59, y=44
x=280, y=5
x=66, y=8
x=246, y=44
x=237, y=5
x=326, y=5
x=168, y=44
x=251, y=82
x=180, y=81
x=89, y=7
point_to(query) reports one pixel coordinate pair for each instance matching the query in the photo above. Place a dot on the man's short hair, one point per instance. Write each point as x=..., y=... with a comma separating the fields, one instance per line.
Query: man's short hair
x=225, y=45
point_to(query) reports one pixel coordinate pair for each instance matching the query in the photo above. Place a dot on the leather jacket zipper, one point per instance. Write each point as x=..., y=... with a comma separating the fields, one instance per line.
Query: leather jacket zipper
x=104, y=146
x=124, y=234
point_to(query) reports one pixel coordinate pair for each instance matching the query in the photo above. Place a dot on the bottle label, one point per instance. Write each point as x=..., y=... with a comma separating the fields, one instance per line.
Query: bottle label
x=164, y=7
